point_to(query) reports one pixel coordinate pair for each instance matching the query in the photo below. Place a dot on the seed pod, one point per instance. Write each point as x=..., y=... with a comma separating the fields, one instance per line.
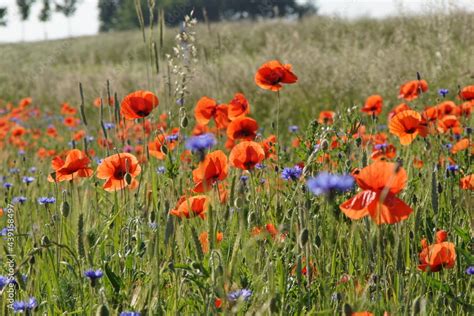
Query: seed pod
x=128, y=178
x=184, y=121
x=45, y=241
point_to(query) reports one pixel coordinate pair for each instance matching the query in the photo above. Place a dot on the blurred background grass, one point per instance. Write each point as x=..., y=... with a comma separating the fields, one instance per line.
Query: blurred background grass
x=339, y=62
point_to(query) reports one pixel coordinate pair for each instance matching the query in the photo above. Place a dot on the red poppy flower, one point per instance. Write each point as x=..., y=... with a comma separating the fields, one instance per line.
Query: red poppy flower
x=407, y=125
x=380, y=182
x=384, y=152
x=246, y=155
x=447, y=108
x=373, y=105
x=467, y=93
x=193, y=206
x=239, y=106
x=75, y=166
x=138, y=104
x=440, y=255
x=211, y=170
x=461, y=145
x=204, y=240
x=449, y=123
x=410, y=90
x=207, y=109
x=120, y=171
x=467, y=183
x=326, y=117
x=399, y=108
x=268, y=145
x=242, y=128
x=66, y=109
x=272, y=74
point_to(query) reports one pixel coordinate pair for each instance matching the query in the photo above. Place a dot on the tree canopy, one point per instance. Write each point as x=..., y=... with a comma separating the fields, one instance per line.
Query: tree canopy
x=122, y=14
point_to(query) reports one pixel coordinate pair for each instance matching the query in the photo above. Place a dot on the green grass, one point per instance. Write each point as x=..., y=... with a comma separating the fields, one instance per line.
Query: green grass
x=153, y=263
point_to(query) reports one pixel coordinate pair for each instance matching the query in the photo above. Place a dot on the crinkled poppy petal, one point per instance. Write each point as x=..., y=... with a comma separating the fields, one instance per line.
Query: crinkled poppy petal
x=389, y=209
x=358, y=206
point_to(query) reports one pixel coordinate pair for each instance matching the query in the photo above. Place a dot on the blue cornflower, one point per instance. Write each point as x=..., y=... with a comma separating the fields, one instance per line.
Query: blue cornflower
x=452, y=168
x=89, y=139
x=4, y=281
x=470, y=270
x=21, y=152
x=443, y=92
x=153, y=225
x=7, y=185
x=46, y=200
x=291, y=173
x=161, y=170
x=93, y=274
x=448, y=146
x=293, y=128
x=32, y=170
x=3, y=233
x=172, y=137
x=380, y=146
x=28, y=180
x=21, y=306
x=243, y=293
x=325, y=183
x=19, y=199
x=201, y=142
x=260, y=166
x=381, y=127
x=109, y=125
x=14, y=170
x=130, y=314
x=244, y=179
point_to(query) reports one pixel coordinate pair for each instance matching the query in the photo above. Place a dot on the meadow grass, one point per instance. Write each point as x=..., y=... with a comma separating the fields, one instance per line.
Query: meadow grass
x=155, y=263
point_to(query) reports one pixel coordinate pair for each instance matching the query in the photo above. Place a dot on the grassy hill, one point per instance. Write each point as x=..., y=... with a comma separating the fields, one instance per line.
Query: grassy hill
x=339, y=62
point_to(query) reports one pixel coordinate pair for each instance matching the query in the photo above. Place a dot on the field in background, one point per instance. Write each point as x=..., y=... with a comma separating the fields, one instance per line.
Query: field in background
x=340, y=62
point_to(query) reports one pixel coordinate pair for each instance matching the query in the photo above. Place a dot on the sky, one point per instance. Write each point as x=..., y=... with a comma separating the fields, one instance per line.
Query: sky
x=85, y=21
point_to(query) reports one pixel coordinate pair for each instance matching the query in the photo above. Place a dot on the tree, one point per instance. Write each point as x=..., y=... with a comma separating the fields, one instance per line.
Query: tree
x=45, y=15
x=68, y=8
x=3, y=14
x=24, y=6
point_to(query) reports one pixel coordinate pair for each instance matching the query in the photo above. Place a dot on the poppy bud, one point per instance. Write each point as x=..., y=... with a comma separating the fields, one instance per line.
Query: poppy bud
x=45, y=241
x=103, y=310
x=324, y=144
x=184, y=122
x=304, y=237
x=65, y=208
x=128, y=178
x=164, y=150
x=347, y=310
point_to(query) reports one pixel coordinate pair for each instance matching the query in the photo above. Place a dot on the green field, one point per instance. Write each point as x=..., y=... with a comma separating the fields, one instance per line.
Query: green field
x=315, y=260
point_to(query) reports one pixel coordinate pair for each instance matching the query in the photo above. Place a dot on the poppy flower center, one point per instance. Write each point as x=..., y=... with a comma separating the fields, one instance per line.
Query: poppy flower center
x=119, y=173
x=411, y=130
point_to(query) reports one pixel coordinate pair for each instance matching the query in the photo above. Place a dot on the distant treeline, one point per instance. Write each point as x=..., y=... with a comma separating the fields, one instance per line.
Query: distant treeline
x=122, y=14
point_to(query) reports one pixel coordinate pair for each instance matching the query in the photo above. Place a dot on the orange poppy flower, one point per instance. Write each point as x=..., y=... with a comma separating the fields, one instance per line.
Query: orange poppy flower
x=246, y=155
x=207, y=109
x=383, y=151
x=71, y=121
x=440, y=255
x=326, y=117
x=407, y=125
x=98, y=100
x=138, y=104
x=66, y=109
x=410, y=90
x=373, y=105
x=193, y=206
x=242, y=128
x=268, y=145
x=460, y=145
x=155, y=147
x=466, y=108
x=18, y=131
x=76, y=165
x=449, y=123
x=239, y=106
x=381, y=182
x=272, y=74
x=447, y=108
x=209, y=171
x=204, y=240
x=362, y=314
x=399, y=108
x=467, y=183
x=467, y=93
x=418, y=163
x=25, y=102
x=120, y=171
